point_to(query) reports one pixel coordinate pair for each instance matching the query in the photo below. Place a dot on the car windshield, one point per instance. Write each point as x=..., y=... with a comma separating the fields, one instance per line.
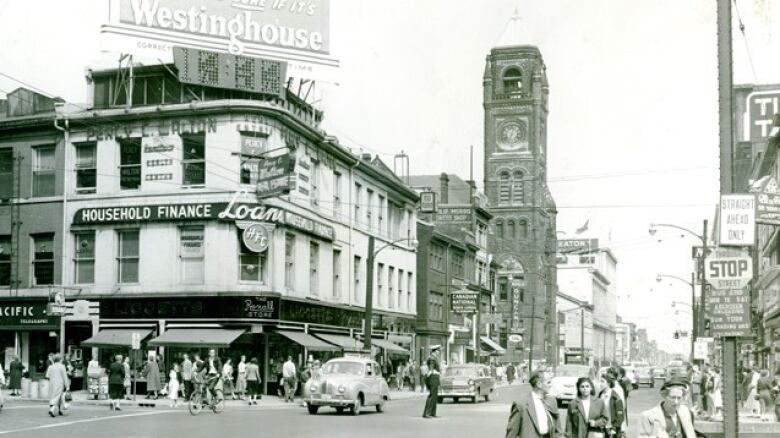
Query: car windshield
x=565, y=371
x=343, y=367
x=676, y=363
x=460, y=372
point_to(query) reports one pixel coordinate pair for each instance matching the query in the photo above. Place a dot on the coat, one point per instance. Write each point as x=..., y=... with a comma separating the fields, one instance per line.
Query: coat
x=577, y=419
x=153, y=376
x=116, y=373
x=15, y=379
x=616, y=412
x=522, y=418
x=653, y=423
x=58, y=381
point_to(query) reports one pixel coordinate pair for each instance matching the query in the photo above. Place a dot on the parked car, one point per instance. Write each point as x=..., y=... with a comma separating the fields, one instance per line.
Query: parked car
x=676, y=368
x=347, y=382
x=563, y=385
x=471, y=381
x=659, y=377
x=644, y=377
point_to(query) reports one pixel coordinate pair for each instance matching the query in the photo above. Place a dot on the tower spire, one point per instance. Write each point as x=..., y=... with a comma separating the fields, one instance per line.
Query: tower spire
x=514, y=33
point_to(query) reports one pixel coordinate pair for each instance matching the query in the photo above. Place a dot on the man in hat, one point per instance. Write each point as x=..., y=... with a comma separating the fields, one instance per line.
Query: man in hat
x=432, y=382
x=670, y=417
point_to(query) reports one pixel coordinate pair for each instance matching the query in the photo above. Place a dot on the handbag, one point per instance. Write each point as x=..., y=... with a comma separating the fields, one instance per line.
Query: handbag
x=68, y=397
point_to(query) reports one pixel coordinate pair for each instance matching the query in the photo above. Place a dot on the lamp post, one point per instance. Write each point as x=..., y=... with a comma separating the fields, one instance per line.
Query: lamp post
x=692, y=284
x=372, y=253
x=702, y=267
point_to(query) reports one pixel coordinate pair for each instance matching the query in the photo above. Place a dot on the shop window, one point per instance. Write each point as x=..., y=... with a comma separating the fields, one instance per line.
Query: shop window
x=43, y=171
x=191, y=254
x=194, y=162
x=43, y=259
x=130, y=163
x=84, y=256
x=127, y=256
x=289, y=260
x=356, y=276
x=5, y=260
x=336, y=273
x=390, y=287
x=314, y=267
x=86, y=167
x=251, y=263
x=6, y=173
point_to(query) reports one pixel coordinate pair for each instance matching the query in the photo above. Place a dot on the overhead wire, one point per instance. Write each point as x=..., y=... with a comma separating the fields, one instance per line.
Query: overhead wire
x=744, y=38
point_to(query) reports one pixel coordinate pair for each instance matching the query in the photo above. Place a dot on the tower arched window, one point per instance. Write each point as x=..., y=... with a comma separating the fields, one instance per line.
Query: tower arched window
x=504, y=187
x=513, y=80
x=510, y=228
x=500, y=228
x=523, y=225
x=517, y=187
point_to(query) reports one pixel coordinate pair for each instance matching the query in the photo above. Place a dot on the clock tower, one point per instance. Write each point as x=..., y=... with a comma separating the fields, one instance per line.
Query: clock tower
x=524, y=235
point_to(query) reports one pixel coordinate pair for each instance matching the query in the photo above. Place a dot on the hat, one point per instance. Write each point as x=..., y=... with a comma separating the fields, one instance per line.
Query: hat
x=675, y=381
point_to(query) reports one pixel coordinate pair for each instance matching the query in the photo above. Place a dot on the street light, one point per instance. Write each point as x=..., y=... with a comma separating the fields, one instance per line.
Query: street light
x=692, y=284
x=702, y=266
x=372, y=253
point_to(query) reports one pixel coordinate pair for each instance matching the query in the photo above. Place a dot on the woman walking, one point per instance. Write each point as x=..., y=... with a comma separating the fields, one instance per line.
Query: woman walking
x=173, y=386
x=587, y=414
x=152, y=373
x=765, y=398
x=241, y=378
x=58, y=382
x=253, y=381
x=227, y=379
x=15, y=378
x=752, y=395
x=127, y=382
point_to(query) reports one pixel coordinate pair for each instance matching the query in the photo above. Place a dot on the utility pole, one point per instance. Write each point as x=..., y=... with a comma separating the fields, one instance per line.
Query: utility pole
x=368, y=319
x=582, y=334
x=531, y=344
x=693, y=314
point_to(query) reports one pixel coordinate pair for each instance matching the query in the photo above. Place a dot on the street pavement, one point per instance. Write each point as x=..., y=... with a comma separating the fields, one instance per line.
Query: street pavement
x=402, y=418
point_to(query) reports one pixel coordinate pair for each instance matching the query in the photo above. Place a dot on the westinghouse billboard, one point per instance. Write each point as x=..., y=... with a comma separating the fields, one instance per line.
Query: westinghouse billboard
x=290, y=30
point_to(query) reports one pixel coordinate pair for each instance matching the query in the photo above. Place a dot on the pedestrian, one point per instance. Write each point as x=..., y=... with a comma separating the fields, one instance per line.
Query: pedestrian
x=765, y=398
x=399, y=376
x=751, y=402
x=536, y=414
x=127, y=382
x=2, y=383
x=241, y=378
x=432, y=382
x=253, y=381
x=152, y=374
x=58, y=381
x=16, y=369
x=715, y=394
x=424, y=376
x=316, y=370
x=612, y=395
x=289, y=380
x=116, y=382
x=744, y=385
x=776, y=393
x=227, y=379
x=696, y=388
x=510, y=373
x=304, y=377
x=670, y=418
x=625, y=383
x=587, y=413
x=186, y=376
x=173, y=386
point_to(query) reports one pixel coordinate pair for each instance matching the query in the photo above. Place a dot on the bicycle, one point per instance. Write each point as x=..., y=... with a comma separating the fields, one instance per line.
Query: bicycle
x=200, y=399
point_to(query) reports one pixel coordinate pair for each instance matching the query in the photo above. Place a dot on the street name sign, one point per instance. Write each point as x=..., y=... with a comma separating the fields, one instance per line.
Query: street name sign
x=738, y=219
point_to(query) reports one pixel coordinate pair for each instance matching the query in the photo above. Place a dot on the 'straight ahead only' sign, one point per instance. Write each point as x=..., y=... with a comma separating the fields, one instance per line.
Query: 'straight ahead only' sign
x=738, y=220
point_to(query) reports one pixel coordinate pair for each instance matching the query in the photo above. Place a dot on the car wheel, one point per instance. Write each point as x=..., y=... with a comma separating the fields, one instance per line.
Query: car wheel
x=339, y=410
x=355, y=409
x=440, y=399
x=474, y=399
x=455, y=399
x=380, y=406
x=313, y=409
x=489, y=396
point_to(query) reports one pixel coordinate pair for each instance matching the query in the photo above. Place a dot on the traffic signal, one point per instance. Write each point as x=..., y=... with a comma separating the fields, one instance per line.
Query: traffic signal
x=676, y=335
x=706, y=324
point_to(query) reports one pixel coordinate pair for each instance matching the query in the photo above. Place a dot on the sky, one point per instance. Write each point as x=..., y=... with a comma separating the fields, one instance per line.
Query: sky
x=633, y=124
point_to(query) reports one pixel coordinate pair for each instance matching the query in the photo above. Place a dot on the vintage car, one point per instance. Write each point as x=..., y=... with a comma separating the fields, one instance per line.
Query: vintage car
x=563, y=385
x=471, y=381
x=644, y=377
x=347, y=382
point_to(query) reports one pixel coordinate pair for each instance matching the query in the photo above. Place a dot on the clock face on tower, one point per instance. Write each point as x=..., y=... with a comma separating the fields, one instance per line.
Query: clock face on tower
x=512, y=135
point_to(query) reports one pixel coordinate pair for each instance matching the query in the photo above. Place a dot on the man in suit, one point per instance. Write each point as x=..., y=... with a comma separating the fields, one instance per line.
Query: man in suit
x=536, y=415
x=432, y=382
x=670, y=418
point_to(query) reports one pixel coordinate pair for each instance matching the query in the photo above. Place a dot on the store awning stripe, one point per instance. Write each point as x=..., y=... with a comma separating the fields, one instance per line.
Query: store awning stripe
x=492, y=344
x=345, y=342
x=308, y=341
x=109, y=338
x=197, y=337
x=389, y=346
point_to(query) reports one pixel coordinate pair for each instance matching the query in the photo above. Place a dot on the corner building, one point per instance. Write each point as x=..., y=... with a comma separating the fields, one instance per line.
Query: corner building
x=524, y=224
x=173, y=241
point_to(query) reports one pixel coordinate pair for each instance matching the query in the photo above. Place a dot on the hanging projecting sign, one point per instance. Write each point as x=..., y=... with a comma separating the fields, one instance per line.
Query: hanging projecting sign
x=428, y=202
x=761, y=106
x=464, y=301
x=274, y=176
x=256, y=237
x=729, y=312
x=768, y=205
x=738, y=220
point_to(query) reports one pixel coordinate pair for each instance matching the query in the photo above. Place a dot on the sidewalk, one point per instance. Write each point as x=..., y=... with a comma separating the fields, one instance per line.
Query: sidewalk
x=749, y=426
x=83, y=398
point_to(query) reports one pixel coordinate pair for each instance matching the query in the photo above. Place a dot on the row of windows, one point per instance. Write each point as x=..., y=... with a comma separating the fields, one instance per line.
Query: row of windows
x=511, y=229
x=511, y=187
x=374, y=212
x=395, y=297
x=42, y=259
x=435, y=306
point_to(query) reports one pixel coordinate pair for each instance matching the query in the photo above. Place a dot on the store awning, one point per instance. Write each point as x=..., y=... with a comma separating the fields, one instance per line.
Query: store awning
x=400, y=339
x=310, y=342
x=197, y=337
x=492, y=344
x=345, y=342
x=111, y=338
x=389, y=346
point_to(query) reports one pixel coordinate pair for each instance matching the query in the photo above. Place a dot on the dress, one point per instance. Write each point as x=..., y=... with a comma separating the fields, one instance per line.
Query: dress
x=15, y=378
x=152, y=376
x=58, y=381
x=751, y=402
x=173, y=386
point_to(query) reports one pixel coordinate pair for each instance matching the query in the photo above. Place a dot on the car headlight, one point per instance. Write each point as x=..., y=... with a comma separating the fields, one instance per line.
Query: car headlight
x=342, y=388
x=312, y=388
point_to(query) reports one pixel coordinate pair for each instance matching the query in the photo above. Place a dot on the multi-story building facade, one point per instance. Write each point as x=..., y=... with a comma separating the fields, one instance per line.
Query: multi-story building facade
x=456, y=260
x=588, y=273
x=31, y=227
x=575, y=322
x=524, y=224
x=189, y=207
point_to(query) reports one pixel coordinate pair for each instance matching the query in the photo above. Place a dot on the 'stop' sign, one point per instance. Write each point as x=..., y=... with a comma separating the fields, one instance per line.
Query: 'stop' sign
x=738, y=220
x=761, y=108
